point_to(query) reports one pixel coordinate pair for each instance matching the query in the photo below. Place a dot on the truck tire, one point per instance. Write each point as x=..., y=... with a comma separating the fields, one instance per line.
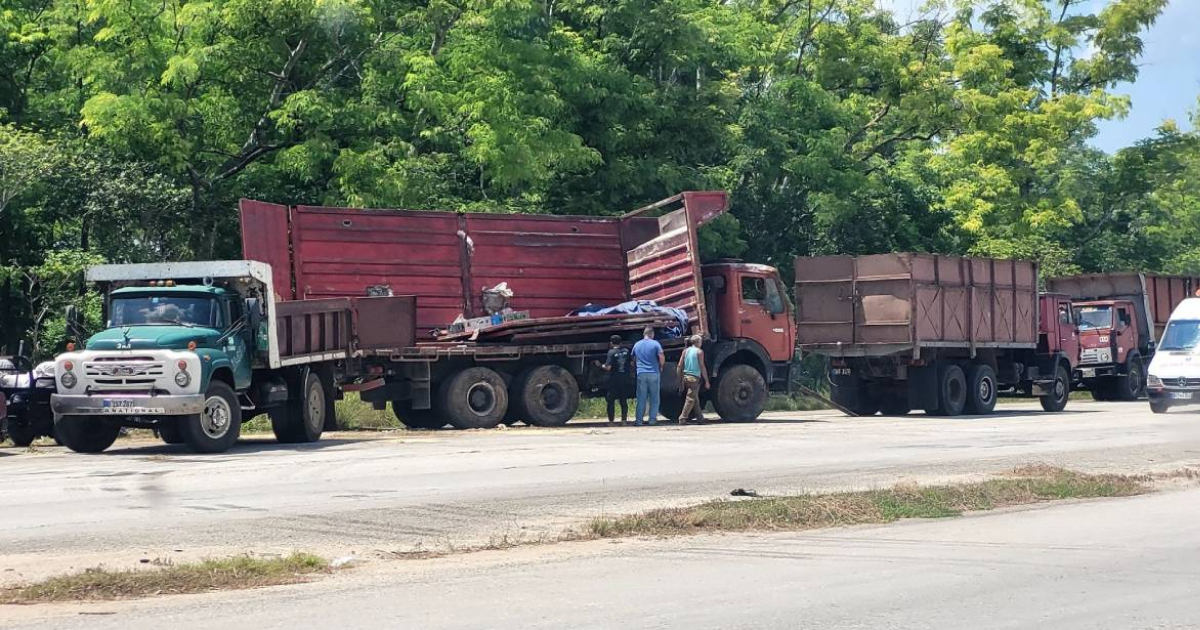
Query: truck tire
x=548, y=396
x=169, y=432
x=670, y=405
x=740, y=394
x=21, y=433
x=302, y=417
x=1060, y=391
x=951, y=390
x=1159, y=406
x=1129, y=386
x=86, y=434
x=1102, y=389
x=417, y=418
x=981, y=389
x=216, y=429
x=474, y=398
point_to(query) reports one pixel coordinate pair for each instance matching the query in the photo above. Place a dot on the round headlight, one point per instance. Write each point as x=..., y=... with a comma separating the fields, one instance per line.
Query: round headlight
x=69, y=380
x=183, y=379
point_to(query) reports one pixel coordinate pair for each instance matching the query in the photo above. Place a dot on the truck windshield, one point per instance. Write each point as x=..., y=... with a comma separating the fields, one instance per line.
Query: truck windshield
x=158, y=310
x=1091, y=317
x=1181, y=334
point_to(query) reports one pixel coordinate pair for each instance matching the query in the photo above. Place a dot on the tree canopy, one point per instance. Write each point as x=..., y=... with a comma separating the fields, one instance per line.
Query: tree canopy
x=129, y=128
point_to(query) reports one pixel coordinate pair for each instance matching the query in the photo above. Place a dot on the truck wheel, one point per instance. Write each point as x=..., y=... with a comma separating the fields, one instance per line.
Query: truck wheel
x=169, y=432
x=302, y=417
x=1060, y=391
x=670, y=405
x=1101, y=389
x=981, y=389
x=417, y=418
x=740, y=394
x=1130, y=385
x=1159, y=406
x=86, y=434
x=549, y=396
x=216, y=429
x=952, y=390
x=21, y=433
x=475, y=398
x=895, y=405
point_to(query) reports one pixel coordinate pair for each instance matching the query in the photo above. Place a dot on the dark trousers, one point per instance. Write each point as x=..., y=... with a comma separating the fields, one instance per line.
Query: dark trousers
x=618, y=391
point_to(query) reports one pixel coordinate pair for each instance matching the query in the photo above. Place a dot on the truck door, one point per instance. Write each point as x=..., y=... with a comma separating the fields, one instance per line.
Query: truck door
x=237, y=346
x=763, y=314
x=1124, y=334
x=1068, y=332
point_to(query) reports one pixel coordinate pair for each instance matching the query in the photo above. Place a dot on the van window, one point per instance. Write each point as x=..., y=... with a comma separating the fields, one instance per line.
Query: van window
x=1181, y=334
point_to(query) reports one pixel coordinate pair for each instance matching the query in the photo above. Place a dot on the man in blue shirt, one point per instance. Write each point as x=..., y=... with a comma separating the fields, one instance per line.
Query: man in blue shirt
x=650, y=360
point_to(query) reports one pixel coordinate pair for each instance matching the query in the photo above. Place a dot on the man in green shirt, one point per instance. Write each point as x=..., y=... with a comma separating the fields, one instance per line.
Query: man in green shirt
x=693, y=372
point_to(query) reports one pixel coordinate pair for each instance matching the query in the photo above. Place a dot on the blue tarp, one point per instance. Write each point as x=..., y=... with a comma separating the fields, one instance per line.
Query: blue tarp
x=640, y=306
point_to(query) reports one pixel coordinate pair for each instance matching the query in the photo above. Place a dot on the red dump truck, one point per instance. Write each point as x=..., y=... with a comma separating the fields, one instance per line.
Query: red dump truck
x=1120, y=316
x=553, y=265
x=939, y=333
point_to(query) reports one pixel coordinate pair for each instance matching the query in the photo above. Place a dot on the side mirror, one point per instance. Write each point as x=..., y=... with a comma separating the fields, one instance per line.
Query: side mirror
x=254, y=314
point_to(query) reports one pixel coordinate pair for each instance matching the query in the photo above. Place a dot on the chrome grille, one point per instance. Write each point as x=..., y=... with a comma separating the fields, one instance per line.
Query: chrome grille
x=136, y=374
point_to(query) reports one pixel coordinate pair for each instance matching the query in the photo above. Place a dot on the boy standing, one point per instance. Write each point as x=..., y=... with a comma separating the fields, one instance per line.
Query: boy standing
x=617, y=365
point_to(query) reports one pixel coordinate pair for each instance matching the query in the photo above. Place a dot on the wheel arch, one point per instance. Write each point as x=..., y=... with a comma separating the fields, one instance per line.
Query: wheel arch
x=741, y=352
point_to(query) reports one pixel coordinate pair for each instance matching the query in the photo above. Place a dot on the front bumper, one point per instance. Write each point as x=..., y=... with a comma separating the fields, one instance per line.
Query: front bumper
x=126, y=405
x=1174, y=396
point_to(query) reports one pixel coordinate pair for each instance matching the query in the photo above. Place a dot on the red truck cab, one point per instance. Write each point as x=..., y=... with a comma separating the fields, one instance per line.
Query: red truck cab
x=1106, y=333
x=753, y=305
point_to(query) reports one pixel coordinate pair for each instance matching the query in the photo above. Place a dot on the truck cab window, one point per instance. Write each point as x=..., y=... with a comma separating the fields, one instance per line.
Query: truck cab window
x=774, y=301
x=754, y=290
x=154, y=310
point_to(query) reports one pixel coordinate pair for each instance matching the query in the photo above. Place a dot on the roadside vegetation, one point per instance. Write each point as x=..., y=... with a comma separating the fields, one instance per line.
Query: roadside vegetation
x=1024, y=486
x=99, y=584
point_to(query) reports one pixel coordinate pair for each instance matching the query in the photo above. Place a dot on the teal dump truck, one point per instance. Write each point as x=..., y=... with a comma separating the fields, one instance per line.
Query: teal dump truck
x=194, y=349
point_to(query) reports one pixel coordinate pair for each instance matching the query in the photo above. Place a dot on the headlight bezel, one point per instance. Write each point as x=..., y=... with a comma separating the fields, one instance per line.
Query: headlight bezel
x=182, y=378
x=68, y=379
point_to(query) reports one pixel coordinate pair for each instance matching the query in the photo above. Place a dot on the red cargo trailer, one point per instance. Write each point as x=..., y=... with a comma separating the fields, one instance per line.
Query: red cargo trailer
x=1121, y=316
x=942, y=333
x=553, y=264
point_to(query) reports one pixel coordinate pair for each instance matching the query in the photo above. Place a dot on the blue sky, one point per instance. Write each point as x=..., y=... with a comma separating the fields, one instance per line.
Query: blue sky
x=1169, y=79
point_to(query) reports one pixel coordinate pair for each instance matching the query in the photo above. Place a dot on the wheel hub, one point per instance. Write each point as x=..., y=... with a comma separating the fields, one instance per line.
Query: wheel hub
x=316, y=405
x=215, y=419
x=481, y=398
x=553, y=397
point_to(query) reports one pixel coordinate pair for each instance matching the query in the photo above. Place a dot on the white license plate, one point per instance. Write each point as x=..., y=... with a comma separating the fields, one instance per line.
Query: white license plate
x=125, y=406
x=1088, y=372
x=1181, y=395
x=841, y=371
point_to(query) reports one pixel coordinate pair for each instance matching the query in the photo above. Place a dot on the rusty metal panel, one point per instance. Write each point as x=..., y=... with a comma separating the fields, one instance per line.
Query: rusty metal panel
x=265, y=239
x=824, y=302
x=384, y=322
x=344, y=252
x=311, y=327
x=909, y=299
x=665, y=270
x=554, y=265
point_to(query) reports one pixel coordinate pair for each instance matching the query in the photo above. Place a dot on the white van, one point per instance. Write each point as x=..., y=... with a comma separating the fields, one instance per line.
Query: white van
x=1174, y=374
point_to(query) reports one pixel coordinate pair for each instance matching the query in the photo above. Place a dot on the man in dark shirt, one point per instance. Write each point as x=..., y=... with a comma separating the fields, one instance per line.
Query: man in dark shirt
x=617, y=365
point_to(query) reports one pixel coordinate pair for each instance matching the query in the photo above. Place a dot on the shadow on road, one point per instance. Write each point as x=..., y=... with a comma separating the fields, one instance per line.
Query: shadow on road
x=246, y=445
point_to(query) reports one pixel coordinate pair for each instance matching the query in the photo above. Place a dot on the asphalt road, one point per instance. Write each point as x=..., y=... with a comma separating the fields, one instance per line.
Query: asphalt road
x=1129, y=563
x=371, y=495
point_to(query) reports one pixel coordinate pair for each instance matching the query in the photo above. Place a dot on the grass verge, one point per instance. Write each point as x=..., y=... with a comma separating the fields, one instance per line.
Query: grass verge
x=1023, y=486
x=99, y=584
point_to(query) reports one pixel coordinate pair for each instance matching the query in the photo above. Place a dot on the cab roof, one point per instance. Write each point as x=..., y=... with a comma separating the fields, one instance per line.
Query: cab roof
x=187, y=289
x=1187, y=309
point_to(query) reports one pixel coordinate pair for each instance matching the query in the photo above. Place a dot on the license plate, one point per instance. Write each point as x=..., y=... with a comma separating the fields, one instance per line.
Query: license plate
x=841, y=371
x=126, y=406
x=1181, y=395
x=1088, y=372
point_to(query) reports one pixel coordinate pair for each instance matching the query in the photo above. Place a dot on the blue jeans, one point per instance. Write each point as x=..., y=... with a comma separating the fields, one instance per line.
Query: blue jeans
x=647, y=392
